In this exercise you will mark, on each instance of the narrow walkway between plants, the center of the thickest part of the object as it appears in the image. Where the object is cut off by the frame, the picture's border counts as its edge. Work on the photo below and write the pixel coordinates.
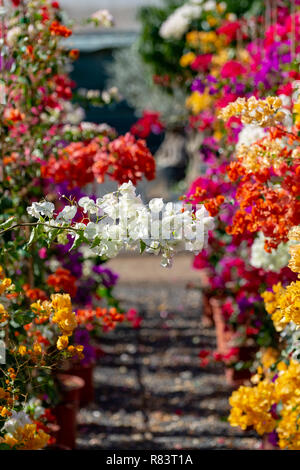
(150, 391)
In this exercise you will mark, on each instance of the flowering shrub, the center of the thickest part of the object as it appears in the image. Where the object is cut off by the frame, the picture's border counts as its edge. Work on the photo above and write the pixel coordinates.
(47, 148)
(240, 216)
(81, 163)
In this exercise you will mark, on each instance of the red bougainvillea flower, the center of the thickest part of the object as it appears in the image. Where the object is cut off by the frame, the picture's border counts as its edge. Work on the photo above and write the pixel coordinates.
(62, 280)
(74, 164)
(232, 69)
(16, 3)
(63, 86)
(250, 331)
(202, 62)
(162, 80)
(286, 89)
(148, 123)
(133, 317)
(229, 29)
(124, 159)
(203, 353)
(227, 310)
(225, 100)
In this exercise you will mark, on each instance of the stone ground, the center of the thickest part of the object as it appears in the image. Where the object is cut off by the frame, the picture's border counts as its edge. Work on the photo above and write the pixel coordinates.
(150, 391)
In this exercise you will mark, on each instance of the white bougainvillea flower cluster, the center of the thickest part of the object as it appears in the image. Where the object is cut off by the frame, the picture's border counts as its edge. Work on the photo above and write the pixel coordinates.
(120, 220)
(103, 17)
(274, 261)
(18, 419)
(177, 24)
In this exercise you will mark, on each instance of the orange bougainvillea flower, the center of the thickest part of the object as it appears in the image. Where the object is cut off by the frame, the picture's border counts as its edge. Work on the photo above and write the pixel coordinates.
(213, 205)
(12, 158)
(107, 318)
(74, 54)
(29, 51)
(58, 29)
(62, 280)
(12, 116)
(123, 159)
(34, 293)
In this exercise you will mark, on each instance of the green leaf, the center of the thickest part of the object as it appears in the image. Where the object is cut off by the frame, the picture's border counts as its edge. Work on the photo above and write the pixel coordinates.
(78, 240)
(96, 242)
(14, 324)
(4, 446)
(142, 246)
(33, 237)
(21, 318)
(8, 223)
(51, 236)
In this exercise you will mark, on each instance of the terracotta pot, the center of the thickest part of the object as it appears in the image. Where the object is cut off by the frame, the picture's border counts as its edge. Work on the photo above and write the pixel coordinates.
(204, 278)
(66, 416)
(54, 430)
(70, 386)
(235, 378)
(222, 333)
(207, 312)
(66, 411)
(58, 447)
(85, 372)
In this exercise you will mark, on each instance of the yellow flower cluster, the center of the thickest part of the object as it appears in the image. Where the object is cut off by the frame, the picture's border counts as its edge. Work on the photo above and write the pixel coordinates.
(187, 59)
(63, 317)
(76, 351)
(4, 285)
(197, 102)
(294, 263)
(294, 250)
(289, 303)
(288, 428)
(283, 304)
(34, 353)
(218, 60)
(4, 316)
(288, 383)
(59, 311)
(4, 412)
(294, 234)
(269, 357)
(271, 299)
(251, 406)
(296, 111)
(27, 437)
(42, 309)
(7, 397)
(209, 41)
(264, 154)
(252, 111)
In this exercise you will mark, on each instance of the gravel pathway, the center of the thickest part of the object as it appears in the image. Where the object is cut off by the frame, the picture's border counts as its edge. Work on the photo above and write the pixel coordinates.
(150, 391)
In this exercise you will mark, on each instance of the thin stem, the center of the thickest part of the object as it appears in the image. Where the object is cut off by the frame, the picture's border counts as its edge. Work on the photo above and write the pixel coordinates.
(37, 224)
